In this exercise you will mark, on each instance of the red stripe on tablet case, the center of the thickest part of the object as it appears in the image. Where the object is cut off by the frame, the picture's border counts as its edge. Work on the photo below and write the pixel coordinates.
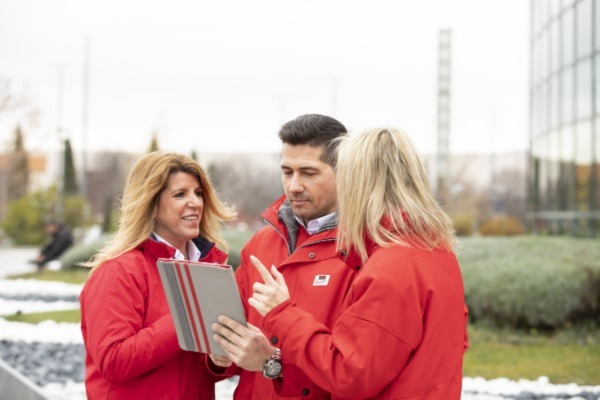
(204, 335)
(187, 305)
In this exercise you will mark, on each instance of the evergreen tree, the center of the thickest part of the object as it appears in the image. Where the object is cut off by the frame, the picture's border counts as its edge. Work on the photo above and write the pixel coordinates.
(69, 176)
(153, 142)
(18, 169)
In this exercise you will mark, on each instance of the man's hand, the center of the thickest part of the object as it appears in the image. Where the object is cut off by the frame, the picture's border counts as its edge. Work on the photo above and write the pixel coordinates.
(272, 293)
(247, 347)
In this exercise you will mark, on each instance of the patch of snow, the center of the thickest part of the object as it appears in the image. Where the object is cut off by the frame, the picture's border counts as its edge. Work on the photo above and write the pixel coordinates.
(45, 331)
(14, 287)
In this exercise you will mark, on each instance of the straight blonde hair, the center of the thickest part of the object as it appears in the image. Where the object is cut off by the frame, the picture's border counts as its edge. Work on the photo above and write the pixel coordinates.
(146, 181)
(383, 194)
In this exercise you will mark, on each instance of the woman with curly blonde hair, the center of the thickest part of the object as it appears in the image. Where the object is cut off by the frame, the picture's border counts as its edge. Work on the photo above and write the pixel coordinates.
(169, 209)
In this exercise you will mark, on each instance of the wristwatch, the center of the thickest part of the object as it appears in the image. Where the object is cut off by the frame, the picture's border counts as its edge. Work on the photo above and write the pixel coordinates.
(272, 368)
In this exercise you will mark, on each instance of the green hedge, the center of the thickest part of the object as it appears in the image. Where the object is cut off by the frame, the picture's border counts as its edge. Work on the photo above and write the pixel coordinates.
(532, 281)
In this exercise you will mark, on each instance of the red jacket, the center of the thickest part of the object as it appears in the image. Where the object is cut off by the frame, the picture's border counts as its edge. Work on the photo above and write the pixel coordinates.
(402, 334)
(131, 345)
(313, 256)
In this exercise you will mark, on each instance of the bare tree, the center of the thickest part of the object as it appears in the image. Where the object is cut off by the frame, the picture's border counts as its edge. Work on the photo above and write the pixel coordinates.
(249, 185)
(16, 109)
(106, 180)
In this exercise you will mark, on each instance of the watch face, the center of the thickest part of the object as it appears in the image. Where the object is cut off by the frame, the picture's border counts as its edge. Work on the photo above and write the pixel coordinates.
(272, 368)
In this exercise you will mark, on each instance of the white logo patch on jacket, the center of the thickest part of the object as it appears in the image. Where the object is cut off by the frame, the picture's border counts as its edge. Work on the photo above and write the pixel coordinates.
(321, 280)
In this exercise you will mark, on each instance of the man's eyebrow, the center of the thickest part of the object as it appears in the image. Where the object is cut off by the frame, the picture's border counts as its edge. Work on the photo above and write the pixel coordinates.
(307, 168)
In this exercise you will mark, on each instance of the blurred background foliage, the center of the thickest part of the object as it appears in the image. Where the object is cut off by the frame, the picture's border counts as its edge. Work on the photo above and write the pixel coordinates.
(25, 217)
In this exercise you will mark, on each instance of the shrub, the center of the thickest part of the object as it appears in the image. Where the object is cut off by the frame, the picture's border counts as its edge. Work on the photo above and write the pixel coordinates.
(463, 224)
(24, 219)
(502, 226)
(534, 282)
(24, 222)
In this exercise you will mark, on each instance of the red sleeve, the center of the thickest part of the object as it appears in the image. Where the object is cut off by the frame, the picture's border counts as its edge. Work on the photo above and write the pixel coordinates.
(113, 311)
(359, 357)
(221, 373)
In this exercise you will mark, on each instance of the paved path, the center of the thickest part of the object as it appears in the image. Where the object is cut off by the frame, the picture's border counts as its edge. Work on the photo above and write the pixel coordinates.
(13, 260)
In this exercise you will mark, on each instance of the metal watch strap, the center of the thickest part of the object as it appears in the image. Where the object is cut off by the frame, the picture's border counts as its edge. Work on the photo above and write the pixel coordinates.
(272, 367)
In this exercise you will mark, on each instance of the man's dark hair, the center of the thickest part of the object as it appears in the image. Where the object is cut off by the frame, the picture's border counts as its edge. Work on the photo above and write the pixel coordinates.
(315, 130)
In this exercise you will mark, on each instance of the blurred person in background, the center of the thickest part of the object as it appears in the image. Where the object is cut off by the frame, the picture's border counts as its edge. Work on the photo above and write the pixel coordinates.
(300, 240)
(169, 210)
(60, 239)
(403, 329)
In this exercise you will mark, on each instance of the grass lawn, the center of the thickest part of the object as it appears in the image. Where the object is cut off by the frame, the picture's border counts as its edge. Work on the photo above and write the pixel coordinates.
(58, 316)
(69, 276)
(78, 275)
(564, 357)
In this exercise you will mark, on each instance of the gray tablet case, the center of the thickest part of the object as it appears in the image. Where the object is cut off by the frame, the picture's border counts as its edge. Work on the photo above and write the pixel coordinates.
(197, 294)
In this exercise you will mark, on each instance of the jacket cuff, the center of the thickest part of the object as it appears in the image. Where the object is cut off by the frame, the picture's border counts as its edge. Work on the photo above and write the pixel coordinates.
(280, 320)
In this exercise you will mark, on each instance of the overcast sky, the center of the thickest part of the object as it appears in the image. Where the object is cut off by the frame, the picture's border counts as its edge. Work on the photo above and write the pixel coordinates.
(222, 76)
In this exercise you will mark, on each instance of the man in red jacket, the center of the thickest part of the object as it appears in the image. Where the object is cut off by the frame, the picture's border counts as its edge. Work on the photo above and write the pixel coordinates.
(299, 240)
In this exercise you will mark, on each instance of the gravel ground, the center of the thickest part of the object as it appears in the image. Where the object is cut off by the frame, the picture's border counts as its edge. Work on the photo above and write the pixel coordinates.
(51, 354)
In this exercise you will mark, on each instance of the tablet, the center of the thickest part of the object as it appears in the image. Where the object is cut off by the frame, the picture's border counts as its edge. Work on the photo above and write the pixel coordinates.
(197, 294)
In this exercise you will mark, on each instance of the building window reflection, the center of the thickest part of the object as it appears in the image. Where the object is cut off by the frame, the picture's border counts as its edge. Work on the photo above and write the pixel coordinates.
(568, 50)
(567, 96)
(584, 28)
(584, 89)
(564, 185)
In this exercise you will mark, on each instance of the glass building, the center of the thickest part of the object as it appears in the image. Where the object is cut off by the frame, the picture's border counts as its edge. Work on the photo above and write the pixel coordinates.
(564, 163)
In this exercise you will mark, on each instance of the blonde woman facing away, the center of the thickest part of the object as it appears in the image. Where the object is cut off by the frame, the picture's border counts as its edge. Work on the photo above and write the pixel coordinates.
(169, 209)
(402, 331)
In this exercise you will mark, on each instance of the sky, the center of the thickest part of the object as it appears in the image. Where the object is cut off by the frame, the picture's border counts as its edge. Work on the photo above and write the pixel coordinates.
(222, 76)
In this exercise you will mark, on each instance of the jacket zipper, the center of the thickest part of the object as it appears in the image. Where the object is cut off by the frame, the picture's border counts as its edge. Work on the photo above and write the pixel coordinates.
(280, 234)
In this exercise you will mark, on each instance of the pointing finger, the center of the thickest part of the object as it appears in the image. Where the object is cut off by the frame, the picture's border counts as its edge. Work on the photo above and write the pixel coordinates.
(262, 270)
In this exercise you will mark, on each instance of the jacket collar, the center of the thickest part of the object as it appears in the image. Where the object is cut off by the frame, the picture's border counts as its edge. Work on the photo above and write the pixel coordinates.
(352, 259)
(280, 216)
(162, 250)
